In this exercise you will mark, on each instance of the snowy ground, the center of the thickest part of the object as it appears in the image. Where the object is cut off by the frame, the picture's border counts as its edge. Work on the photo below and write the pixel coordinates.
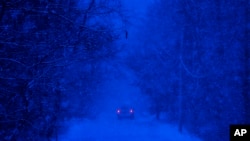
(112, 129)
(108, 128)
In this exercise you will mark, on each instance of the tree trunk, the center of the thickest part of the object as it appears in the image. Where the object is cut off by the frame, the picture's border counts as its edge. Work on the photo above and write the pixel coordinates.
(180, 126)
(246, 75)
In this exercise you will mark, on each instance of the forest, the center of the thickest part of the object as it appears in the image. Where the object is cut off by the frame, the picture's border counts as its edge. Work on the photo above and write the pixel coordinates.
(190, 58)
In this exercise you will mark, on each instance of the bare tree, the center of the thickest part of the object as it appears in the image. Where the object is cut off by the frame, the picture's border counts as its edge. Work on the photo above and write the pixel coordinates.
(40, 42)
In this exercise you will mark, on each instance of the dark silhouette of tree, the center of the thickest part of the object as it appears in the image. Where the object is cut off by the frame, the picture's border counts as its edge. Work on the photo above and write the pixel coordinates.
(202, 49)
(47, 48)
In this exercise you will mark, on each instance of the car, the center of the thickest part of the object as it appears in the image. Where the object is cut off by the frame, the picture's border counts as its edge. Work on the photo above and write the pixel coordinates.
(124, 112)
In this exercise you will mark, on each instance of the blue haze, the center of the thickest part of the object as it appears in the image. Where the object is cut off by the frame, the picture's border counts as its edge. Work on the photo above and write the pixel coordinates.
(67, 66)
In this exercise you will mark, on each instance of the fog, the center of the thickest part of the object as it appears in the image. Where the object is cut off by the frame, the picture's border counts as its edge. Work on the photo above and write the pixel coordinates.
(119, 70)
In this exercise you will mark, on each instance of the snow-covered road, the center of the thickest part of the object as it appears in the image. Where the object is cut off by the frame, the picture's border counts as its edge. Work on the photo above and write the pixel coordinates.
(108, 128)
(123, 130)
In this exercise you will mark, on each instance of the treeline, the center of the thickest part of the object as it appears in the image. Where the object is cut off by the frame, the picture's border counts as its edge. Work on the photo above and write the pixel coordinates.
(193, 63)
(50, 62)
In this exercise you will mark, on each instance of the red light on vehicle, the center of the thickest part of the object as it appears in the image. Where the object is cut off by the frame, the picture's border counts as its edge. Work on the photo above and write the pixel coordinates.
(131, 111)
